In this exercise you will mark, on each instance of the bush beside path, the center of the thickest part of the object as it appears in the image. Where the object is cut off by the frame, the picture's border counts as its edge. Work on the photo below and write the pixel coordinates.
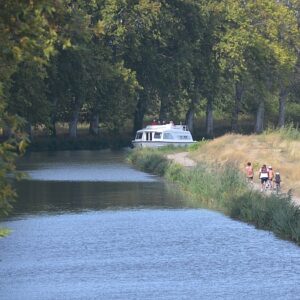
(183, 159)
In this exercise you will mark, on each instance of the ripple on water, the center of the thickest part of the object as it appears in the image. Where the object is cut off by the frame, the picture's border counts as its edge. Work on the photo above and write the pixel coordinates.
(145, 254)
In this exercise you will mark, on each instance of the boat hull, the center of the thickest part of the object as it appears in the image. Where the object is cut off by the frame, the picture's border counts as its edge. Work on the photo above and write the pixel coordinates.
(158, 144)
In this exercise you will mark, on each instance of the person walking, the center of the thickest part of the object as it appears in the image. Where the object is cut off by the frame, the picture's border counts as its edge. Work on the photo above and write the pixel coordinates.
(249, 172)
(271, 177)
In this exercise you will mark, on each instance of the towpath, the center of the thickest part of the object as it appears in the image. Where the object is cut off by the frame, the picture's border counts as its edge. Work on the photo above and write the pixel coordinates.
(183, 159)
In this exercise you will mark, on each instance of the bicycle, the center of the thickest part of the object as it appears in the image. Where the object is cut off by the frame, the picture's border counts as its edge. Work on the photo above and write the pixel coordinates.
(268, 185)
(277, 187)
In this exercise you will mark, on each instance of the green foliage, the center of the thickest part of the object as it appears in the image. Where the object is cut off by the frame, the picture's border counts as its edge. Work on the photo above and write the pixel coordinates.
(276, 213)
(115, 59)
(4, 232)
(175, 173)
(27, 34)
(27, 96)
(197, 145)
(9, 151)
(289, 132)
(293, 113)
(149, 161)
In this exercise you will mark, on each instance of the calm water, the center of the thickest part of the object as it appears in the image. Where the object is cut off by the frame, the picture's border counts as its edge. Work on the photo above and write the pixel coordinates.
(88, 226)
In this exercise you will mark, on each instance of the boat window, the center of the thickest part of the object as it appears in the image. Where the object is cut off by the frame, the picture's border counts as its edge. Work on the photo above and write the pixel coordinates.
(157, 135)
(168, 136)
(139, 135)
(184, 137)
(148, 136)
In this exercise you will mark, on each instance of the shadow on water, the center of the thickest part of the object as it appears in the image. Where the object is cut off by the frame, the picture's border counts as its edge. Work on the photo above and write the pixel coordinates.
(45, 196)
(88, 180)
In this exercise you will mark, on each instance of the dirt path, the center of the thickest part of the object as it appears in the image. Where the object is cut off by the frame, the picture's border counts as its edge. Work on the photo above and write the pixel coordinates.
(183, 159)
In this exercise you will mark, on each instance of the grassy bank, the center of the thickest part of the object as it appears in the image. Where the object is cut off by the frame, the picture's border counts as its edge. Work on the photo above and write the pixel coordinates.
(279, 148)
(223, 188)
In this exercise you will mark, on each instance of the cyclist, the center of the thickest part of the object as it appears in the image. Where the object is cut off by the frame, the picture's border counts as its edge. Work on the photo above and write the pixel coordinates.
(263, 176)
(277, 181)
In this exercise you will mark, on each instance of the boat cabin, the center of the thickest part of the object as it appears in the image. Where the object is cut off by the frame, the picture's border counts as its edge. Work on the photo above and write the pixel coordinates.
(161, 135)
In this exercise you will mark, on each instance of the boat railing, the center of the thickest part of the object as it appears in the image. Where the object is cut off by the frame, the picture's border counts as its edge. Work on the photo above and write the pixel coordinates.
(168, 126)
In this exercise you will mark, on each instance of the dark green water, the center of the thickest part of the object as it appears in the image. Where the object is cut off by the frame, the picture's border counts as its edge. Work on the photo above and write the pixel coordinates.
(88, 226)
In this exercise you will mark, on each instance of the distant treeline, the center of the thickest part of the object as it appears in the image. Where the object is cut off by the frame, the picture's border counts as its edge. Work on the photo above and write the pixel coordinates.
(107, 62)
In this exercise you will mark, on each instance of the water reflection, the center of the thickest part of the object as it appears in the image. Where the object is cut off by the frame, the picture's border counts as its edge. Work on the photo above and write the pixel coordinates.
(88, 180)
(80, 166)
(36, 196)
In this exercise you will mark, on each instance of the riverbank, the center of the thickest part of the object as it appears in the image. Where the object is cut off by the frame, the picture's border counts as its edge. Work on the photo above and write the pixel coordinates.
(278, 148)
(222, 187)
(182, 158)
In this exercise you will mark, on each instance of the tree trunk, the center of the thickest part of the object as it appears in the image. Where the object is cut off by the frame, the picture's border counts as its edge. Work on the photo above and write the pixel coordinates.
(282, 102)
(190, 115)
(74, 121)
(209, 119)
(139, 114)
(237, 106)
(53, 126)
(53, 119)
(94, 124)
(28, 129)
(163, 109)
(189, 119)
(7, 132)
(260, 115)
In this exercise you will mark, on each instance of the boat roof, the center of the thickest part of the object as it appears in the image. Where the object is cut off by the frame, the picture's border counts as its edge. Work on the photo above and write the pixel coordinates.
(166, 127)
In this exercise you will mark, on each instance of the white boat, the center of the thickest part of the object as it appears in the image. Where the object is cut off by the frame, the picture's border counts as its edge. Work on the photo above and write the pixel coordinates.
(154, 136)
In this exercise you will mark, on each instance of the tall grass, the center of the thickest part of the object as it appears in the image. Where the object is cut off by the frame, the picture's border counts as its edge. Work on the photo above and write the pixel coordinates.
(223, 187)
(275, 213)
(149, 161)
(288, 132)
(212, 186)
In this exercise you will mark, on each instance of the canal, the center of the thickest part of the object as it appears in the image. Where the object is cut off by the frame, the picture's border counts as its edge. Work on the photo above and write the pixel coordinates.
(89, 226)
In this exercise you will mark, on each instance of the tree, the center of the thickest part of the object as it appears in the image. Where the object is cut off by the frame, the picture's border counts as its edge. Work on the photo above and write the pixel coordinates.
(255, 41)
(26, 34)
(130, 29)
(27, 96)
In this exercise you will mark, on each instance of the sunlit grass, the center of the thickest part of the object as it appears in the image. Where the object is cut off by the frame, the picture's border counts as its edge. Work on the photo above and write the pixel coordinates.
(279, 148)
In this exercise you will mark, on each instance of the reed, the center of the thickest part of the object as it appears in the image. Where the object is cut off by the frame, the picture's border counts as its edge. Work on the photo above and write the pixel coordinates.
(289, 132)
(149, 161)
(275, 213)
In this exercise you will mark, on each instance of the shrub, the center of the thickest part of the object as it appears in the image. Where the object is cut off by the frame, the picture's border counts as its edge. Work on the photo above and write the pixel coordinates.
(149, 161)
